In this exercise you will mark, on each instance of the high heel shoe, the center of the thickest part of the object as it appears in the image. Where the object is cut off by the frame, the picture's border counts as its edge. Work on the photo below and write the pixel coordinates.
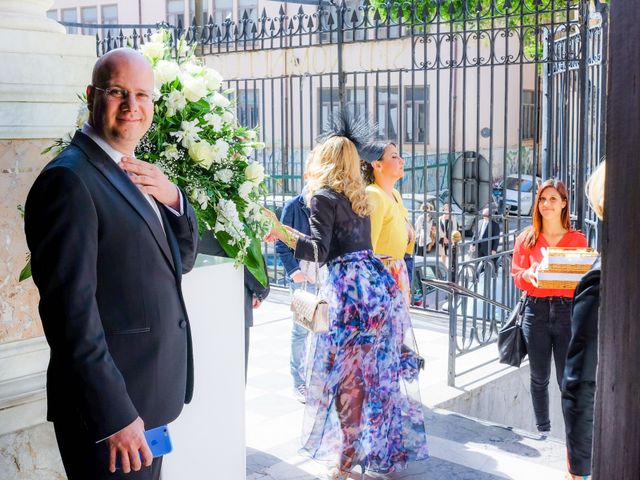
(336, 474)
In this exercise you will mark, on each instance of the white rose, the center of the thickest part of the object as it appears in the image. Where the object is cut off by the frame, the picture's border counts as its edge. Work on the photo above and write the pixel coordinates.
(191, 68)
(152, 50)
(228, 117)
(254, 173)
(165, 72)
(214, 120)
(245, 189)
(251, 134)
(201, 153)
(213, 78)
(219, 100)
(194, 88)
(221, 149)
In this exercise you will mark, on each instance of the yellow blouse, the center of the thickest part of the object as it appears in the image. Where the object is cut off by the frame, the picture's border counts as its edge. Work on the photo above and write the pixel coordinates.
(389, 235)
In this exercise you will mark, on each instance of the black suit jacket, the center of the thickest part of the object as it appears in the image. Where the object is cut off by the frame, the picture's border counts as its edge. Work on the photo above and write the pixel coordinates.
(209, 245)
(110, 293)
(485, 244)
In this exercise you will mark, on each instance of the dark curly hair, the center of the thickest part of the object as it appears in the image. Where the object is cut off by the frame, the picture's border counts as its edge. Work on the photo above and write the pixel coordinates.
(371, 153)
(367, 172)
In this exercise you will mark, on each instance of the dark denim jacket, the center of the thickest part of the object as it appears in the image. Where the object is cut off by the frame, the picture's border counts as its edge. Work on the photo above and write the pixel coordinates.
(295, 214)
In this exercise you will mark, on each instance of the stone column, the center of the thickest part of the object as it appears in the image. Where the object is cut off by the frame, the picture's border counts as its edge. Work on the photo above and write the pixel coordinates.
(42, 70)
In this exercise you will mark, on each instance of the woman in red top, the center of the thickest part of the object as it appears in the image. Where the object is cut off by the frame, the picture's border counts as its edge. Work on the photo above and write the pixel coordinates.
(547, 314)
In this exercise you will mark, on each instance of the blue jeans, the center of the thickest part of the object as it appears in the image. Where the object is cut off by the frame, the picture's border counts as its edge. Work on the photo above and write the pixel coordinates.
(547, 330)
(298, 344)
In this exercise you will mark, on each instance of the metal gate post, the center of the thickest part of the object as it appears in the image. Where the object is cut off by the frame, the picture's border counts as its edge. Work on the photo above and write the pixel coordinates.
(583, 150)
(546, 135)
(453, 308)
(341, 9)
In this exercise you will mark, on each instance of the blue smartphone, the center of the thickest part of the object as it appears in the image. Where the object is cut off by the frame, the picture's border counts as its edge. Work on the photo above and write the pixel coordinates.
(158, 440)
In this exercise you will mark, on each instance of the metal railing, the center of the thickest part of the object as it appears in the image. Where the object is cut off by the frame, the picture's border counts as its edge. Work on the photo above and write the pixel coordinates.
(479, 296)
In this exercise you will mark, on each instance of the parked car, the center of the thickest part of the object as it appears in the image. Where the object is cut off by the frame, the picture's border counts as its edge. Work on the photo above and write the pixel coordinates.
(520, 186)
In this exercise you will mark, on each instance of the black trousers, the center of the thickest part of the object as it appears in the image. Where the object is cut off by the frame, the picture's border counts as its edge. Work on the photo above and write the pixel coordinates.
(83, 459)
(547, 330)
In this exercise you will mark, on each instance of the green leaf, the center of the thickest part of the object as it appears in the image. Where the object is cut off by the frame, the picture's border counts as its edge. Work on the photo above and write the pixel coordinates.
(224, 239)
(26, 271)
(255, 262)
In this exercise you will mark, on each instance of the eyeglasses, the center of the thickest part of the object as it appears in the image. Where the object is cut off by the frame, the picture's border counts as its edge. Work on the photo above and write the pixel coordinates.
(121, 94)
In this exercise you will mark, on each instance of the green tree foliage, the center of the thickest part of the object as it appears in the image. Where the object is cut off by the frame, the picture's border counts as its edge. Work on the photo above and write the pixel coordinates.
(524, 15)
(428, 11)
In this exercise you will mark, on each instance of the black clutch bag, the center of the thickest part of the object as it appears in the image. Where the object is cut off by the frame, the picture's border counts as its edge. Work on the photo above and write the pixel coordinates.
(410, 363)
(512, 347)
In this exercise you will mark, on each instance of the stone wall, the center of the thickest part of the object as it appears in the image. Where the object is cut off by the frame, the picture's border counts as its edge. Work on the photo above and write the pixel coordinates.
(30, 454)
(20, 162)
(507, 400)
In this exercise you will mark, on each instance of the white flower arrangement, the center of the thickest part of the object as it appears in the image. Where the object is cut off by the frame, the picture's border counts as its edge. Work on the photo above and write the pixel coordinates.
(196, 140)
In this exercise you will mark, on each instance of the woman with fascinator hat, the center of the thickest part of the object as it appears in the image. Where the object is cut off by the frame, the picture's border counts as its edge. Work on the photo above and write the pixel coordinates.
(392, 236)
(363, 406)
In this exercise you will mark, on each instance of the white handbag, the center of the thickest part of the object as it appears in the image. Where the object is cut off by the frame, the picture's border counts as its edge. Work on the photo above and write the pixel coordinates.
(310, 310)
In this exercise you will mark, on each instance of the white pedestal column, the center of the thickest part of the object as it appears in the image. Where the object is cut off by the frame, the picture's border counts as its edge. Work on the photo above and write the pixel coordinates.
(209, 436)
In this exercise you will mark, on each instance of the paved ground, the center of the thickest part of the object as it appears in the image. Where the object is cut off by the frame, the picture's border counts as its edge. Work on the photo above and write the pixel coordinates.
(461, 448)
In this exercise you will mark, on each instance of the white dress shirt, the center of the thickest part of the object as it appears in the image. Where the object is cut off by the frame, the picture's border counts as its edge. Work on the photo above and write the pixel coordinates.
(116, 156)
(483, 227)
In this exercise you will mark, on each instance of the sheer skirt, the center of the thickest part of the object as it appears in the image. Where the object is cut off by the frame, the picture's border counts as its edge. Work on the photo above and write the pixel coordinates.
(363, 402)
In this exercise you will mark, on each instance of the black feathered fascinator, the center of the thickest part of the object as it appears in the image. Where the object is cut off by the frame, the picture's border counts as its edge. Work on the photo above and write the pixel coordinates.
(344, 123)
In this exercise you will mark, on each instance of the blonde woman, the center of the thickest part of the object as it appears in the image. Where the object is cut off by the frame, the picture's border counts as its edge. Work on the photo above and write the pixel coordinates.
(579, 380)
(359, 410)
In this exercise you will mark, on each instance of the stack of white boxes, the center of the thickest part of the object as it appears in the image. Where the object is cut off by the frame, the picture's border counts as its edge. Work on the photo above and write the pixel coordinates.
(563, 267)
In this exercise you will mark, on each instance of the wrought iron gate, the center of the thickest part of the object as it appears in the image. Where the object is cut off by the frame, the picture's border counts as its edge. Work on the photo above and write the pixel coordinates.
(484, 98)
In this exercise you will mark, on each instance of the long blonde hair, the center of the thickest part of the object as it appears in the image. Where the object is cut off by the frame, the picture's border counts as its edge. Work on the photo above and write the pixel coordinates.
(335, 164)
(595, 189)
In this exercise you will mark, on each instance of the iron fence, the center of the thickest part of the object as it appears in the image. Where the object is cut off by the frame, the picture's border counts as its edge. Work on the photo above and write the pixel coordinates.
(484, 99)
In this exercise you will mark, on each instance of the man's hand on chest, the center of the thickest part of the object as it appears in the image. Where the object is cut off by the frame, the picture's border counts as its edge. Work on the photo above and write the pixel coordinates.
(152, 181)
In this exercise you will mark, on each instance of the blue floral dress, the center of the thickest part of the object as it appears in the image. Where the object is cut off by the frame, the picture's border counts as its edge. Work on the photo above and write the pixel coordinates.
(363, 404)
